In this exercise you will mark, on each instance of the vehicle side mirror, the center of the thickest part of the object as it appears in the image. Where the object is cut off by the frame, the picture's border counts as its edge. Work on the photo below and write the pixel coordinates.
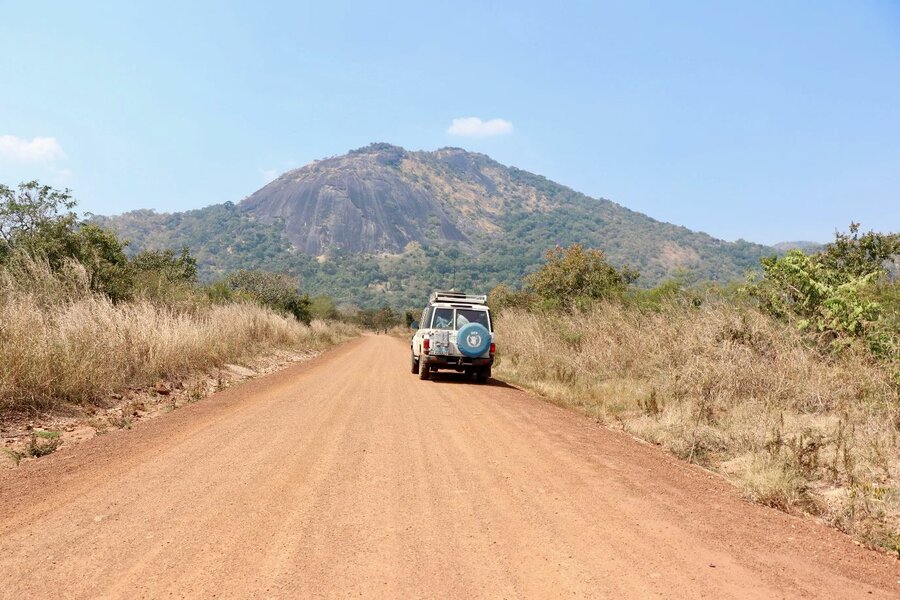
(414, 325)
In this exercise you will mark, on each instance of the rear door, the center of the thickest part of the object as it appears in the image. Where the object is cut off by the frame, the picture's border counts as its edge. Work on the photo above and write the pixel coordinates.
(442, 332)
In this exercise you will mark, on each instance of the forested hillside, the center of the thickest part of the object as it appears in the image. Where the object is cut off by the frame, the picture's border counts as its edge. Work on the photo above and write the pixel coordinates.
(384, 225)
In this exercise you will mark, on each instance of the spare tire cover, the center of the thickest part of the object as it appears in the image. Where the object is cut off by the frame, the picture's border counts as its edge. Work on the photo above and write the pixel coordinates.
(473, 339)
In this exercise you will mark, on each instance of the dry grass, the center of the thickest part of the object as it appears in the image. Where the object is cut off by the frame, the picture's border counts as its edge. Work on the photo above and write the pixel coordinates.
(60, 343)
(727, 387)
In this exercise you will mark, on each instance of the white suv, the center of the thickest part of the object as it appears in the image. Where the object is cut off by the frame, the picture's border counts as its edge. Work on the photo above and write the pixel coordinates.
(455, 332)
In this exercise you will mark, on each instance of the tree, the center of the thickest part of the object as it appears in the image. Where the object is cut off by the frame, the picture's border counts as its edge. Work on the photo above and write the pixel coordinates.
(164, 263)
(275, 290)
(366, 318)
(835, 294)
(503, 296)
(574, 274)
(103, 254)
(39, 221)
(385, 318)
(823, 300)
(323, 307)
(855, 255)
(29, 209)
(164, 276)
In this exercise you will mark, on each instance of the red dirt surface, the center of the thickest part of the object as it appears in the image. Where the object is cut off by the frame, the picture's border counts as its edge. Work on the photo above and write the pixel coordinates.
(348, 476)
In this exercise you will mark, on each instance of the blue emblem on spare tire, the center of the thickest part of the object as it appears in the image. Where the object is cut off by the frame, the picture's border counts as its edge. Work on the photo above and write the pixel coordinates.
(473, 339)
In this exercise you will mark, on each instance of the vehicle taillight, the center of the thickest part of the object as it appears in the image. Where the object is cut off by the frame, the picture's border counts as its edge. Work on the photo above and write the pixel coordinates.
(493, 347)
(426, 345)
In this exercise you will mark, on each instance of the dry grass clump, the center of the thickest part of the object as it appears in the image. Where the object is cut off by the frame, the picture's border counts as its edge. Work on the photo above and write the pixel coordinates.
(728, 387)
(62, 343)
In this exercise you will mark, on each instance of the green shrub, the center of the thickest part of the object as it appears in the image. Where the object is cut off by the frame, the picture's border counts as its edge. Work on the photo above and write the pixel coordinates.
(164, 277)
(575, 275)
(166, 264)
(840, 295)
(323, 307)
(275, 290)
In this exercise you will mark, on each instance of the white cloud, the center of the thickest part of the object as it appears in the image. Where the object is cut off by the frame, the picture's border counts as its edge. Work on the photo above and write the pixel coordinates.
(39, 149)
(475, 127)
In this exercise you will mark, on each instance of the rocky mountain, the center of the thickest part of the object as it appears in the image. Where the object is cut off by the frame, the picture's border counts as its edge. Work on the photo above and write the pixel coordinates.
(383, 224)
(367, 201)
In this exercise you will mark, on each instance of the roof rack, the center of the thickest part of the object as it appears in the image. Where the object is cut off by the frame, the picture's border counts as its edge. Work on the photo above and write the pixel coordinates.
(452, 296)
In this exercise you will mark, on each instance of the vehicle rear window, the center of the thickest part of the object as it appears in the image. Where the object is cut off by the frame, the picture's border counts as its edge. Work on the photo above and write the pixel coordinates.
(465, 316)
(443, 318)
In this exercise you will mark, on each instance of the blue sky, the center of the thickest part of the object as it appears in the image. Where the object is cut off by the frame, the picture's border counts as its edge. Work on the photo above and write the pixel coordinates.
(766, 121)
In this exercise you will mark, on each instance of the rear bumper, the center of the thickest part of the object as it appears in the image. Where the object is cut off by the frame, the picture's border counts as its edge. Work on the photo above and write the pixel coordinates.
(456, 362)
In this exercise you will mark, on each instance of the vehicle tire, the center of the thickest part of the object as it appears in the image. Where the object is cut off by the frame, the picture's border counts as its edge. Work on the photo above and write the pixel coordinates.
(482, 375)
(423, 368)
(415, 365)
(473, 339)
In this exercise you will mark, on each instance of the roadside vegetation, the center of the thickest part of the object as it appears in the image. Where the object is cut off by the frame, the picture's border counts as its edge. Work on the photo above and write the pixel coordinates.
(789, 384)
(79, 319)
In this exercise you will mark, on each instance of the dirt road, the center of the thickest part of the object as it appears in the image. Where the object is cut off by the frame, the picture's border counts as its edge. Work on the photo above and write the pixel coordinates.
(347, 476)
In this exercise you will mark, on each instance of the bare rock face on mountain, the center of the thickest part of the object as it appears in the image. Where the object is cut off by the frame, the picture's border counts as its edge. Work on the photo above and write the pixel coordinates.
(359, 202)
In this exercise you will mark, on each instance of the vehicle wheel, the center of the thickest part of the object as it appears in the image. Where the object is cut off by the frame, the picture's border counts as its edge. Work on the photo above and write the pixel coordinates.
(423, 368)
(415, 365)
(473, 339)
(483, 375)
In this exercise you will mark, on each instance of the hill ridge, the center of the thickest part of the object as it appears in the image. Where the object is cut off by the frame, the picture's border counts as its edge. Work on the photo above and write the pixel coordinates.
(382, 223)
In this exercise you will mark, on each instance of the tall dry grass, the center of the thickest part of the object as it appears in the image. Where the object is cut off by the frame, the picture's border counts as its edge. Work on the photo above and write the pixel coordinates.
(727, 387)
(61, 343)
